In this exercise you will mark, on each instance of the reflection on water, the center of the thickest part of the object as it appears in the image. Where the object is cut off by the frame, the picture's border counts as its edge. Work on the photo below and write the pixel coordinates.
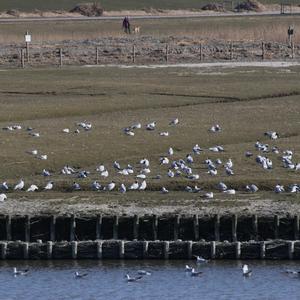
(105, 280)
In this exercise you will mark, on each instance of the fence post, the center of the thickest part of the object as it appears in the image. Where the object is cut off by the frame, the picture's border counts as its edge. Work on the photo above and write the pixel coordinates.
(200, 52)
(262, 50)
(133, 53)
(60, 57)
(22, 59)
(167, 53)
(231, 50)
(292, 49)
(97, 56)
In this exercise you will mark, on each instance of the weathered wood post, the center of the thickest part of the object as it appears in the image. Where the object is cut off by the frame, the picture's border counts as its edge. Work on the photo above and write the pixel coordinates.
(8, 228)
(116, 227)
(213, 250)
(201, 52)
(238, 250)
(121, 249)
(176, 227)
(189, 249)
(217, 227)
(145, 249)
(262, 50)
(22, 59)
(133, 53)
(276, 226)
(99, 249)
(98, 227)
(74, 246)
(52, 228)
(26, 250)
(72, 228)
(136, 223)
(97, 56)
(296, 227)
(231, 51)
(3, 250)
(49, 249)
(291, 247)
(262, 250)
(154, 226)
(255, 227)
(27, 229)
(234, 227)
(292, 49)
(60, 57)
(196, 227)
(166, 249)
(167, 53)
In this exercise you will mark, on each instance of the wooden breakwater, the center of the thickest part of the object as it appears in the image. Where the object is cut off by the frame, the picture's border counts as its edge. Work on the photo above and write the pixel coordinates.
(276, 249)
(230, 228)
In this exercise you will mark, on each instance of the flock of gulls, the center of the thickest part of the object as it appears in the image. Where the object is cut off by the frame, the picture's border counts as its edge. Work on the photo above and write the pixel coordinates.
(138, 175)
(192, 271)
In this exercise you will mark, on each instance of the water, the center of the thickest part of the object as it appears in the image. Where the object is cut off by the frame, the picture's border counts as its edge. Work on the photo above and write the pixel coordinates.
(105, 280)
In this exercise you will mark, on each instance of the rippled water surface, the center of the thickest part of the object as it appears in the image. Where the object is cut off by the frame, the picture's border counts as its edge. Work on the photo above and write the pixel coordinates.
(105, 280)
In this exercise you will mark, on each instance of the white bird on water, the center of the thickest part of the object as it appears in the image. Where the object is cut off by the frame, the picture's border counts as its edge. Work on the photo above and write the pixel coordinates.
(200, 259)
(78, 275)
(19, 272)
(246, 271)
(20, 185)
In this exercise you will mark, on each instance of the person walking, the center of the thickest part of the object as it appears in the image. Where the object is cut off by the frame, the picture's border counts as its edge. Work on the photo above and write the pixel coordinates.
(126, 25)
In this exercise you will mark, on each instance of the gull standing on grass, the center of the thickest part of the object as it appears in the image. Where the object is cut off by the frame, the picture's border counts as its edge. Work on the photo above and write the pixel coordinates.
(20, 185)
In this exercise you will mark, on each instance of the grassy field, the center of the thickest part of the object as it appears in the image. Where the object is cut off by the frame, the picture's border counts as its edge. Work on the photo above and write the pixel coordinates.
(268, 28)
(246, 102)
(30, 5)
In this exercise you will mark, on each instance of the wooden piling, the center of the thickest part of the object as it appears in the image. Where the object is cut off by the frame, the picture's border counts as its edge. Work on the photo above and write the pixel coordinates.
(166, 249)
(27, 229)
(145, 249)
(3, 250)
(72, 228)
(74, 245)
(97, 56)
(292, 49)
(262, 250)
(217, 227)
(291, 247)
(98, 227)
(213, 250)
(121, 249)
(26, 250)
(234, 228)
(99, 249)
(176, 227)
(116, 228)
(133, 54)
(196, 227)
(8, 227)
(136, 223)
(190, 249)
(238, 250)
(49, 249)
(296, 227)
(276, 226)
(52, 228)
(155, 226)
(255, 227)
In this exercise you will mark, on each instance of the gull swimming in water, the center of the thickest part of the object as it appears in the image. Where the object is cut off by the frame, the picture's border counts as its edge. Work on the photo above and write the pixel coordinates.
(19, 272)
(195, 273)
(78, 275)
(188, 268)
(143, 273)
(133, 279)
(200, 259)
(246, 271)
